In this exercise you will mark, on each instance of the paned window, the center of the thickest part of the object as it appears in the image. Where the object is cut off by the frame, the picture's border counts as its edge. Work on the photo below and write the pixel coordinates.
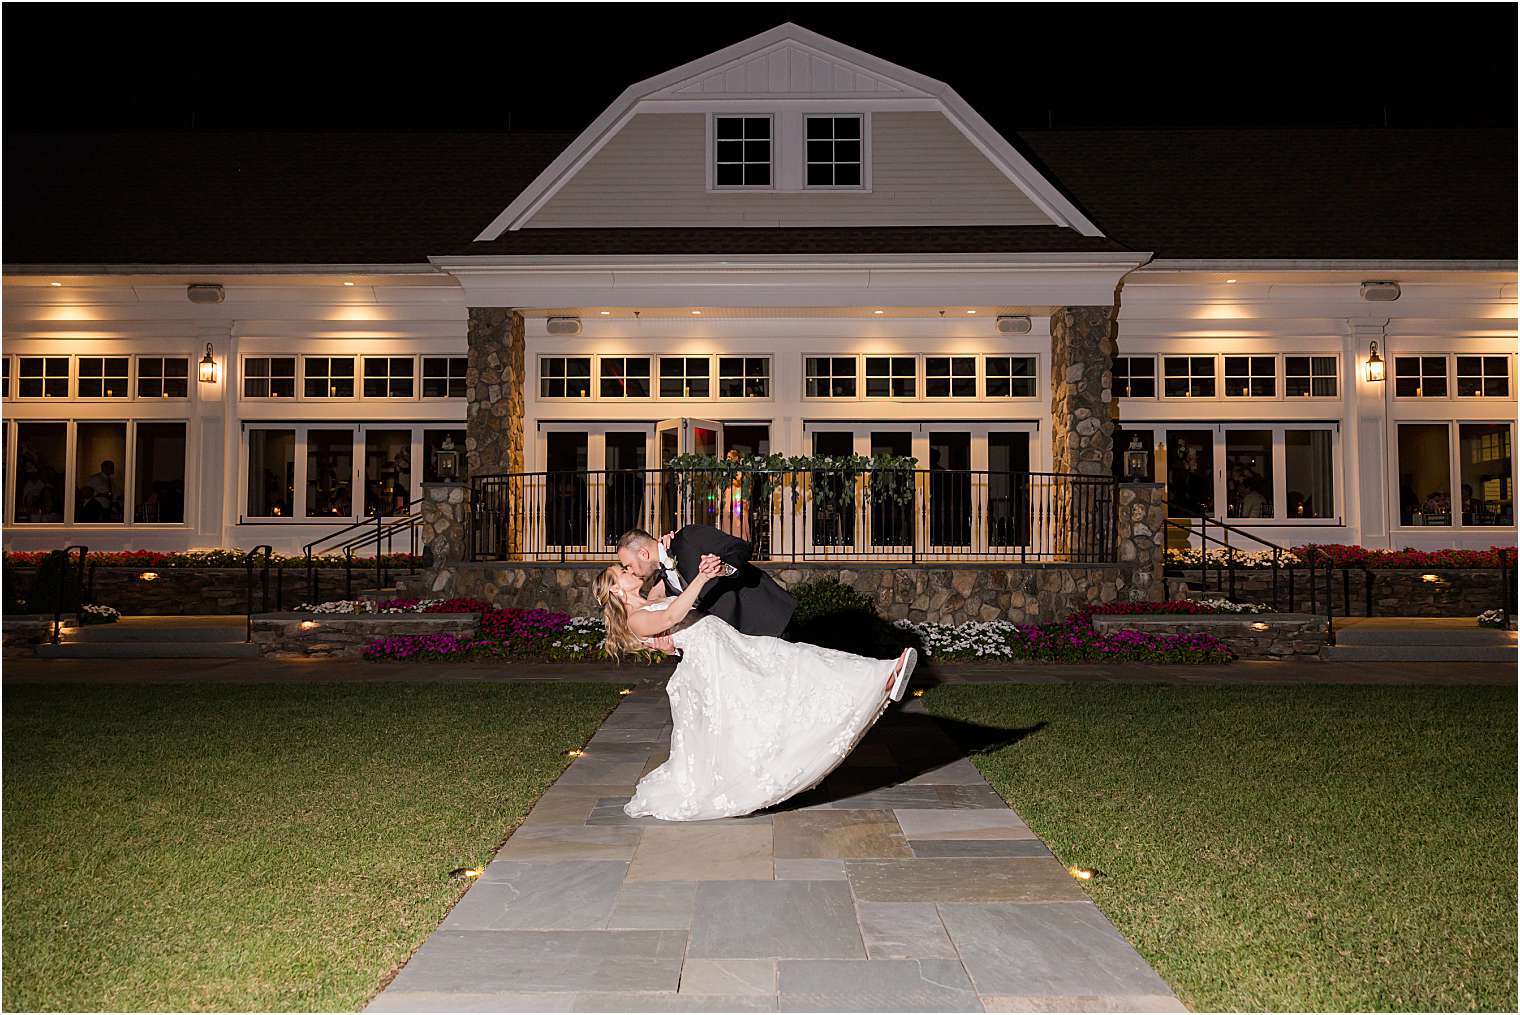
(685, 377)
(1419, 377)
(1188, 376)
(949, 376)
(388, 376)
(329, 377)
(564, 377)
(833, 151)
(829, 376)
(1310, 377)
(163, 377)
(444, 376)
(625, 376)
(742, 151)
(269, 377)
(1250, 376)
(744, 377)
(42, 377)
(1011, 377)
(1135, 376)
(1482, 376)
(104, 376)
(891, 376)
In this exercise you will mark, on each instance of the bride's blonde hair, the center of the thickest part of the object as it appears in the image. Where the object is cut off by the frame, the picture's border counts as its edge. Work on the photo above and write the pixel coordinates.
(620, 640)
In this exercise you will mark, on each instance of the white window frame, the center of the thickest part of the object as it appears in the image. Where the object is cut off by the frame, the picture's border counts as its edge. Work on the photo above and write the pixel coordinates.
(657, 368)
(127, 470)
(1453, 472)
(652, 377)
(295, 377)
(355, 378)
(987, 375)
(1421, 357)
(390, 378)
(1250, 376)
(79, 378)
(1335, 375)
(1482, 376)
(68, 379)
(744, 377)
(1191, 377)
(423, 375)
(952, 377)
(712, 155)
(591, 378)
(137, 377)
(864, 119)
(1155, 376)
(831, 356)
(1219, 482)
(5, 378)
(891, 375)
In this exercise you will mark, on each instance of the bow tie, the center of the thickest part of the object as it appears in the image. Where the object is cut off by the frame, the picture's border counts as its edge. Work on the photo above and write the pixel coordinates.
(656, 578)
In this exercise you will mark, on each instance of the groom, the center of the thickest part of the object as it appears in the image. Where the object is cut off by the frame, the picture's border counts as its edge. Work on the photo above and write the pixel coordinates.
(748, 599)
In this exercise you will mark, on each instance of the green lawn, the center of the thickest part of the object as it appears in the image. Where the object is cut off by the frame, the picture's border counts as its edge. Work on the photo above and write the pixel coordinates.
(256, 846)
(1316, 848)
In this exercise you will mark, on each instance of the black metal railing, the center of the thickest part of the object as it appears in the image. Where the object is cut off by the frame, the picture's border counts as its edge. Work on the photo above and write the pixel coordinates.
(250, 561)
(63, 578)
(791, 514)
(382, 532)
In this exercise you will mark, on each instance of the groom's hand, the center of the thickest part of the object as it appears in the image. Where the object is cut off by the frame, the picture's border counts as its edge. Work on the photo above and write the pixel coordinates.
(665, 540)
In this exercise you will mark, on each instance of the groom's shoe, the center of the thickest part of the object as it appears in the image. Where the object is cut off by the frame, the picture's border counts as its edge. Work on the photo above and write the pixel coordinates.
(900, 685)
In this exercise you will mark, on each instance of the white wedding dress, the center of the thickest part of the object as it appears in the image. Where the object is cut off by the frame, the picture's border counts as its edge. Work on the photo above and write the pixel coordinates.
(755, 720)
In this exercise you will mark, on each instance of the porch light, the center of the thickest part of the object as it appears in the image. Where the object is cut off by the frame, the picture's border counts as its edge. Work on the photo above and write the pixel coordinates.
(1137, 461)
(1374, 363)
(208, 367)
(446, 460)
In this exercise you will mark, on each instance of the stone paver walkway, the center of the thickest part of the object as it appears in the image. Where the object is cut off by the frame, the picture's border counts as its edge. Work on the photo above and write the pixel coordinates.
(901, 883)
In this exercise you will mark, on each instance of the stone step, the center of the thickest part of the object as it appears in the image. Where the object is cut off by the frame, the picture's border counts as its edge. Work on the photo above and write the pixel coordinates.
(1421, 653)
(1468, 634)
(148, 650)
(160, 630)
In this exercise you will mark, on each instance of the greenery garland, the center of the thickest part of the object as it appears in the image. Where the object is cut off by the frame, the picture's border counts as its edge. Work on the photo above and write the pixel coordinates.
(833, 477)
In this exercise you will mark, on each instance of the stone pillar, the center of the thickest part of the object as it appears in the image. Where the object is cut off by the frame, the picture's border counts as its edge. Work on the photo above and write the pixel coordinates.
(494, 388)
(444, 531)
(1081, 374)
(1142, 516)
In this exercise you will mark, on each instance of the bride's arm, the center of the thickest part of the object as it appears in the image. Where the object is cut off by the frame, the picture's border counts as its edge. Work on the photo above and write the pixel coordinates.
(647, 623)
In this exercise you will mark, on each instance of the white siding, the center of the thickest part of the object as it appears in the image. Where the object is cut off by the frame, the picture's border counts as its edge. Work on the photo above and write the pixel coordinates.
(654, 173)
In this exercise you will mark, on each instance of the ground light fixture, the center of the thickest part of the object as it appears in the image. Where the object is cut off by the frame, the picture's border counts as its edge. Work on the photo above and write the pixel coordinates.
(1259, 626)
(309, 625)
(1084, 873)
(626, 691)
(459, 873)
(208, 367)
(1374, 363)
(574, 752)
(148, 576)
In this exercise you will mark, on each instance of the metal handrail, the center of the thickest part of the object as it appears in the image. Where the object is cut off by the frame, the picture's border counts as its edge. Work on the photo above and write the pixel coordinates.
(63, 572)
(357, 541)
(248, 559)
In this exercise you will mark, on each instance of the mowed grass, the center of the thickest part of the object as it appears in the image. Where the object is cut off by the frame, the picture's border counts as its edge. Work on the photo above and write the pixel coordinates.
(1305, 848)
(257, 846)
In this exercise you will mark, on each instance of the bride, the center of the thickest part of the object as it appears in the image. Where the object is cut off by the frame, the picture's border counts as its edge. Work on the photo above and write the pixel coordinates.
(756, 719)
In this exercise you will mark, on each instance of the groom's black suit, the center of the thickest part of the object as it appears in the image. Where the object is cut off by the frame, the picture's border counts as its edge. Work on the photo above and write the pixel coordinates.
(749, 600)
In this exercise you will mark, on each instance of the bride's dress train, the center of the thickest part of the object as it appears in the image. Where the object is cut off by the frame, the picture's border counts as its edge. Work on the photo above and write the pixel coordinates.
(755, 721)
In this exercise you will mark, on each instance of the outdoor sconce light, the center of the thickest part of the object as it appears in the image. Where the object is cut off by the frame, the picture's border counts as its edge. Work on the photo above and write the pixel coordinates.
(309, 625)
(1137, 461)
(1431, 579)
(446, 460)
(1259, 626)
(1374, 363)
(208, 367)
(148, 576)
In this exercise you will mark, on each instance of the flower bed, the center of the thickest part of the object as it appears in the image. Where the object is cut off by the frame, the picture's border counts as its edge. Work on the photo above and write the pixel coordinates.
(1345, 555)
(1075, 641)
(392, 606)
(1178, 606)
(503, 634)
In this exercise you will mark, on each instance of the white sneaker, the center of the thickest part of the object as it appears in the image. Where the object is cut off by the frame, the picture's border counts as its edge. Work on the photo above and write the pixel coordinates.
(909, 660)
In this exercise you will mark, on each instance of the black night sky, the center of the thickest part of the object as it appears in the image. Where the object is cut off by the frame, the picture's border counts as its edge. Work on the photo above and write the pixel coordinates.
(539, 66)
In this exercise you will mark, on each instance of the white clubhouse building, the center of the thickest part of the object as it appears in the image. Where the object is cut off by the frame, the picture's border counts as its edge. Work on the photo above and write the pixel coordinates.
(788, 246)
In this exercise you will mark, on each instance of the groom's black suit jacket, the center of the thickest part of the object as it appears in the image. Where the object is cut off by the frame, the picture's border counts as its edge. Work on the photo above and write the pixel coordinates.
(749, 600)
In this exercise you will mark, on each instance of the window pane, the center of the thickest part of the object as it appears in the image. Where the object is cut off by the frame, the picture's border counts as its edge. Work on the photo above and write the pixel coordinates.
(1190, 473)
(271, 473)
(1310, 480)
(1486, 455)
(1424, 474)
(100, 457)
(387, 471)
(1248, 473)
(159, 489)
(329, 473)
(41, 454)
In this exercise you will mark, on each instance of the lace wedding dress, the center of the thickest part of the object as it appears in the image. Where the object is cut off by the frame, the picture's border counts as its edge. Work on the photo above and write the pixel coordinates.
(755, 720)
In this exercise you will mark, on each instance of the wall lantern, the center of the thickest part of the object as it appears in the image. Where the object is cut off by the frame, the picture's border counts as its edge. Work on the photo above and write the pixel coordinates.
(1137, 461)
(208, 367)
(1374, 363)
(446, 460)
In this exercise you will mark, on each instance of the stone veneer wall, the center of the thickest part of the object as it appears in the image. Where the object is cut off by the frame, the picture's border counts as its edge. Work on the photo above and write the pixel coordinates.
(202, 591)
(494, 388)
(443, 532)
(1395, 593)
(342, 636)
(1141, 519)
(1284, 635)
(1081, 396)
(944, 593)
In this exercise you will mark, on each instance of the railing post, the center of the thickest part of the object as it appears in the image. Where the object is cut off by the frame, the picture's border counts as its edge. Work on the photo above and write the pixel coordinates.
(1230, 558)
(1367, 578)
(1292, 597)
(379, 578)
(348, 572)
(1276, 564)
(1346, 589)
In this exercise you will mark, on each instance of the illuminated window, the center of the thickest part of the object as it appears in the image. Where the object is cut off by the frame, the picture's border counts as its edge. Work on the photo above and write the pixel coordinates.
(685, 377)
(329, 377)
(1250, 376)
(1482, 376)
(269, 377)
(891, 376)
(624, 377)
(42, 377)
(1419, 376)
(564, 377)
(1188, 376)
(163, 377)
(388, 376)
(1135, 376)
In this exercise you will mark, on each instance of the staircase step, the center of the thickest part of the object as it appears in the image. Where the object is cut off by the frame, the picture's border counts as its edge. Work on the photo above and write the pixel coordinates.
(148, 650)
(1421, 653)
(158, 630)
(1469, 635)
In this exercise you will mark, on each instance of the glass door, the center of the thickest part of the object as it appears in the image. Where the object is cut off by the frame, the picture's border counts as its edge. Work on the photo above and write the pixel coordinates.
(688, 496)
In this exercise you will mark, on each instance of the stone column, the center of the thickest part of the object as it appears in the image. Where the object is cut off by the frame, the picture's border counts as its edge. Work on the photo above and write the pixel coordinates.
(1142, 515)
(444, 531)
(1081, 396)
(494, 388)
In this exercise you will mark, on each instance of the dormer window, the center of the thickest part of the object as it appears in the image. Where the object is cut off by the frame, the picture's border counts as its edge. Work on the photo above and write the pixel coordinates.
(833, 151)
(742, 151)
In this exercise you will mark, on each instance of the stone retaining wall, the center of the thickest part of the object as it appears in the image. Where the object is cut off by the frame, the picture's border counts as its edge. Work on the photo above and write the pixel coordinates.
(204, 591)
(1395, 592)
(345, 635)
(940, 593)
(22, 635)
(1249, 635)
